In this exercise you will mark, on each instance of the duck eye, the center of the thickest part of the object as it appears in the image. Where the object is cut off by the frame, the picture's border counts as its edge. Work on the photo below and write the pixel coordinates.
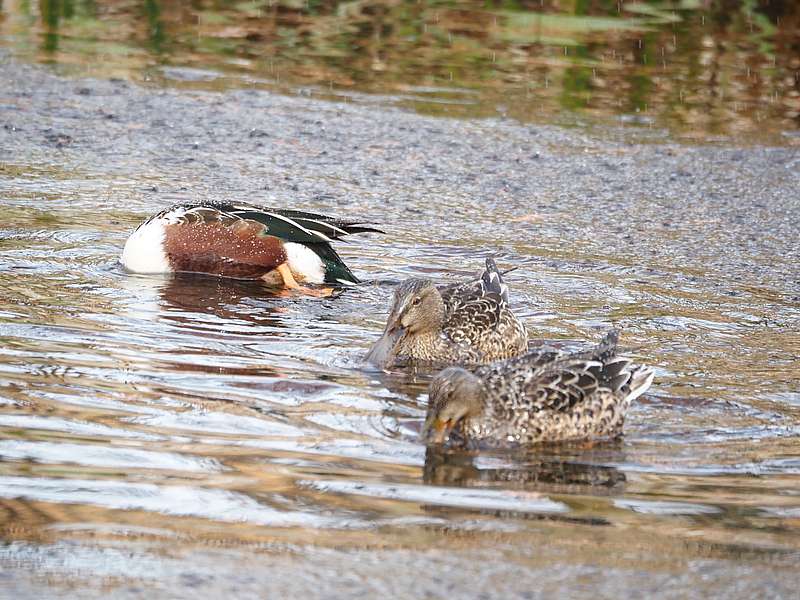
(416, 301)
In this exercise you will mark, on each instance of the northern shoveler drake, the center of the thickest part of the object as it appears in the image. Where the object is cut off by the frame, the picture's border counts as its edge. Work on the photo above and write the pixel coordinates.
(542, 396)
(465, 323)
(243, 241)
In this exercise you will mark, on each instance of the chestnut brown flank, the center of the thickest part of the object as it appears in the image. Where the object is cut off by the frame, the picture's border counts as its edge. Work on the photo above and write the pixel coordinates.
(238, 250)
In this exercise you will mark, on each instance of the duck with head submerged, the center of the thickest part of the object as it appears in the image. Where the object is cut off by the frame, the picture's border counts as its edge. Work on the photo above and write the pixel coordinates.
(243, 241)
(463, 323)
(542, 396)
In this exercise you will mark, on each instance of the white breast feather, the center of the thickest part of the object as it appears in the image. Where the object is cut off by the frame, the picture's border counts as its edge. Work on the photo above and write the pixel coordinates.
(304, 263)
(144, 250)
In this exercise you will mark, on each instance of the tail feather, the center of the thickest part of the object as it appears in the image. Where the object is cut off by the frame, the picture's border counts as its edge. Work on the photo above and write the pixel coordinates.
(607, 348)
(350, 227)
(640, 379)
(618, 373)
(493, 280)
(615, 373)
(331, 227)
(604, 352)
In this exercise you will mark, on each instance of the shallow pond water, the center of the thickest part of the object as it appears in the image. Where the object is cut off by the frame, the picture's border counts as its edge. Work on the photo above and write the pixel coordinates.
(191, 435)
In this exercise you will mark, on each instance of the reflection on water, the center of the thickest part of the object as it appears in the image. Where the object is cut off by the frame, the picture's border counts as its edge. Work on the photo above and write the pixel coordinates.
(556, 474)
(701, 68)
(228, 301)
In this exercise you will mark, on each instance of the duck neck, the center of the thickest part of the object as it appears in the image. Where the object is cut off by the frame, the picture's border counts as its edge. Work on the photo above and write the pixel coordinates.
(426, 345)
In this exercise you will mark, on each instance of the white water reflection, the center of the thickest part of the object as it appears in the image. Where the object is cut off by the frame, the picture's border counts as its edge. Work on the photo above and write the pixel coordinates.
(444, 496)
(74, 428)
(94, 455)
(176, 500)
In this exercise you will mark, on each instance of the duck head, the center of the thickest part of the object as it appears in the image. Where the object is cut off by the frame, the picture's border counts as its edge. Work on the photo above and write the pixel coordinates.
(417, 308)
(454, 394)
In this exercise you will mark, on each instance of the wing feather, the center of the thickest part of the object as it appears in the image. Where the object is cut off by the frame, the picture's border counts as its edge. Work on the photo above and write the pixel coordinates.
(476, 307)
(289, 225)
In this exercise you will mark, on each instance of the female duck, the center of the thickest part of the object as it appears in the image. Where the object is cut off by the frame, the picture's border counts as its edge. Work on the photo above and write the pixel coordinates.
(466, 323)
(543, 396)
(242, 241)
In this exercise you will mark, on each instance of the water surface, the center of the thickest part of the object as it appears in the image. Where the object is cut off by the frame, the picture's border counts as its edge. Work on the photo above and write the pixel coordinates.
(176, 435)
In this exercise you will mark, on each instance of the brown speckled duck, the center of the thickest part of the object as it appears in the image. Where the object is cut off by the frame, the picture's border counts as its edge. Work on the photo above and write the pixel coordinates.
(464, 323)
(542, 396)
(243, 241)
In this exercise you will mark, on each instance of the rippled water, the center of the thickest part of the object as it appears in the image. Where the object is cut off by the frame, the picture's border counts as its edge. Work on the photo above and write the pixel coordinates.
(188, 433)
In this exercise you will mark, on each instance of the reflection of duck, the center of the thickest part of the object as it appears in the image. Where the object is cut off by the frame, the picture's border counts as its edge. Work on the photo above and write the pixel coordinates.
(542, 396)
(211, 316)
(552, 475)
(223, 298)
(459, 323)
(242, 241)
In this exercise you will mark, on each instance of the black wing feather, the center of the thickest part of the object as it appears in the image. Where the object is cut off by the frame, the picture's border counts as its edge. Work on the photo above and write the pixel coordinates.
(289, 225)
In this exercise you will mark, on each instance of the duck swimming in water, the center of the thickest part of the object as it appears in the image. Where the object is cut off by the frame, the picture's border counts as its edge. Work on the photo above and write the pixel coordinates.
(542, 396)
(239, 240)
(462, 323)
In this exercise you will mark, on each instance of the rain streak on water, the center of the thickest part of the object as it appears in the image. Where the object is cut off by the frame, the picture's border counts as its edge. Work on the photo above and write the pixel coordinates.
(186, 433)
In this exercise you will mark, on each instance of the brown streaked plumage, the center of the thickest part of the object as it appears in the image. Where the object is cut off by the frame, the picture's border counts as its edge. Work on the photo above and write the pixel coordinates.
(464, 323)
(542, 396)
